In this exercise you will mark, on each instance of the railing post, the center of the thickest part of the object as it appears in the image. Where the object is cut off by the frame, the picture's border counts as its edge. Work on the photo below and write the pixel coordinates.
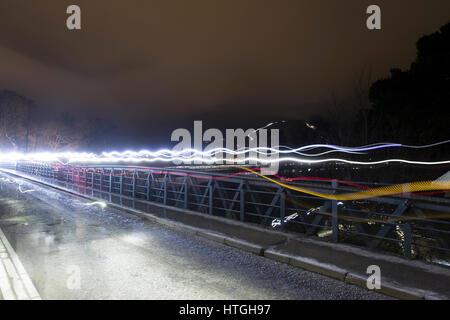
(211, 191)
(148, 186)
(121, 182)
(101, 180)
(110, 180)
(334, 215)
(135, 175)
(165, 190)
(186, 194)
(92, 183)
(282, 204)
(242, 204)
(406, 228)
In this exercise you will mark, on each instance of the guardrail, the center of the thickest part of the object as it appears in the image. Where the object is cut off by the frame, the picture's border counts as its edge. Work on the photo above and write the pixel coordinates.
(417, 226)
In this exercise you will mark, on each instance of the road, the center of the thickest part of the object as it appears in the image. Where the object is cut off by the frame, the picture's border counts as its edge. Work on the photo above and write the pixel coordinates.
(73, 249)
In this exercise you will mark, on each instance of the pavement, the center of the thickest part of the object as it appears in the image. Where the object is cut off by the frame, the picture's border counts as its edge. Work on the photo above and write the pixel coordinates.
(14, 280)
(72, 247)
(399, 277)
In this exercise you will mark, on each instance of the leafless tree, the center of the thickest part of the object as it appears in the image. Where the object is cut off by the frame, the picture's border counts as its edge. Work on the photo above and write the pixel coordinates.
(14, 120)
(361, 95)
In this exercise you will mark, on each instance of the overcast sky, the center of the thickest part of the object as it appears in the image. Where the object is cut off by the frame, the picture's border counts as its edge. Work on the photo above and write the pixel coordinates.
(156, 60)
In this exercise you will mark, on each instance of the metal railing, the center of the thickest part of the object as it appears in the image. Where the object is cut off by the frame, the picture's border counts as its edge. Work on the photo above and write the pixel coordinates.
(417, 226)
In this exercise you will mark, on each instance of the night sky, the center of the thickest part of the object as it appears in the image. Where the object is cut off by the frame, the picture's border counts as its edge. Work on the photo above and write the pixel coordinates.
(158, 65)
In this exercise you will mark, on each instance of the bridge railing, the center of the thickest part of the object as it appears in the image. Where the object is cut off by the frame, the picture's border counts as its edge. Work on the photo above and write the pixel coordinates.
(417, 226)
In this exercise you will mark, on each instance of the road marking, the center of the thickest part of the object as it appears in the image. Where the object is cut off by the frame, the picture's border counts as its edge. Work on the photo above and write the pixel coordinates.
(5, 286)
(14, 280)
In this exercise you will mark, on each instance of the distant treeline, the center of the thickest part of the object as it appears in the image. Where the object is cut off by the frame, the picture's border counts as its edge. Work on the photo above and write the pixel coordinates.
(408, 107)
(26, 127)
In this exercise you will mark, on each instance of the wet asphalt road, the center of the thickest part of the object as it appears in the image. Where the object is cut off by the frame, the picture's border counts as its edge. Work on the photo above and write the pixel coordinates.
(72, 249)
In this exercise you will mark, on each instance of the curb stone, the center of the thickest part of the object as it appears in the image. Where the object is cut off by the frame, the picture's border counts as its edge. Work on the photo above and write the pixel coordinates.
(272, 254)
(212, 236)
(386, 288)
(244, 245)
(317, 267)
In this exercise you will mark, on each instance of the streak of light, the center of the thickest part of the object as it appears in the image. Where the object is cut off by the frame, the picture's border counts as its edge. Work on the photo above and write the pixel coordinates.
(207, 156)
(99, 203)
(256, 160)
(264, 150)
(283, 221)
(371, 193)
(25, 191)
(19, 187)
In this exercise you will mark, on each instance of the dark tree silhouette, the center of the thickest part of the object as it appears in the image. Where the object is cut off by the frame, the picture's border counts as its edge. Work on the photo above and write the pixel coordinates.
(26, 127)
(15, 120)
(413, 106)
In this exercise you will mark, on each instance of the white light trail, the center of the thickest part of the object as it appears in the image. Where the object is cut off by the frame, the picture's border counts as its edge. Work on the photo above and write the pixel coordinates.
(18, 183)
(99, 203)
(212, 160)
(208, 157)
(24, 191)
(280, 222)
(254, 159)
(192, 152)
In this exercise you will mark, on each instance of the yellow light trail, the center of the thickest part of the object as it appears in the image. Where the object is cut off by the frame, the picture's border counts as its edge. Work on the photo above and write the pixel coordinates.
(376, 192)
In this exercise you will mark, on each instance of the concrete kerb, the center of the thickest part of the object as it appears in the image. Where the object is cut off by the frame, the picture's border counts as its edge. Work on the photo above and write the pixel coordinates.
(296, 261)
(387, 288)
(212, 236)
(244, 245)
(309, 264)
(332, 271)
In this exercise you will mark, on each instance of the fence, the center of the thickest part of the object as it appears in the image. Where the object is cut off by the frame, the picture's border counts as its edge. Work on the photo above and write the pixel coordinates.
(417, 226)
